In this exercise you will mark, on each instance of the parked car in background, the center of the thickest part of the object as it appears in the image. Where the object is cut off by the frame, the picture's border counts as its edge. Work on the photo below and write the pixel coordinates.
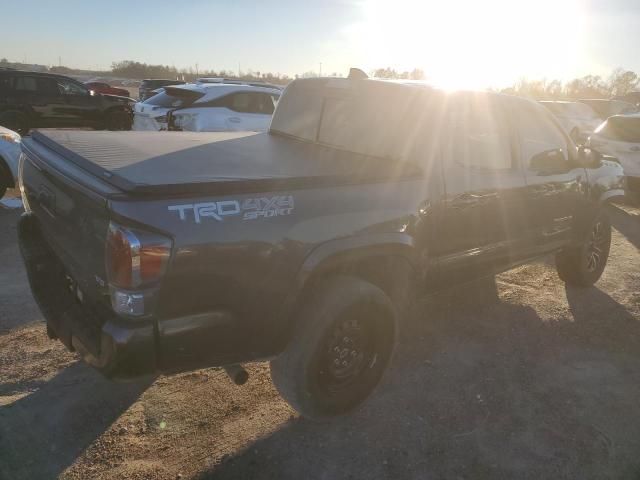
(208, 107)
(33, 100)
(233, 81)
(619, 136)
(606, 108)
(9, 155)
(631, 97)
(578, 119)
(106, 89)
(149, 85)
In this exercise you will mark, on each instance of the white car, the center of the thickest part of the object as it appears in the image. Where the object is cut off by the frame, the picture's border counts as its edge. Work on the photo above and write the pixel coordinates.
(619, 136)
(9, 155)
(578, 119)
(208, 107)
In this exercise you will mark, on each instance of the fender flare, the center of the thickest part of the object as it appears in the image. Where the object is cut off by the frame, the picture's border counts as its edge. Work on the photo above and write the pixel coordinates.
(330, 255)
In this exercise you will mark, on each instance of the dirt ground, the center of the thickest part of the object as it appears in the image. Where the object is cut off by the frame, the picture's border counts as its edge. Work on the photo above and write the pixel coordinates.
(513, 377)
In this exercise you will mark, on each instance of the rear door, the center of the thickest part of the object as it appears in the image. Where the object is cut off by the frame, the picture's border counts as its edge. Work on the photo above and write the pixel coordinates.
(249, 111)
(481, 225)
(40, 94)
(555, 188)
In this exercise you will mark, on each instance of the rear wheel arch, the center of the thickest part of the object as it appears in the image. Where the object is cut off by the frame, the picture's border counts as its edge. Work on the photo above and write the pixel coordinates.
(388, 266)
(382, 261)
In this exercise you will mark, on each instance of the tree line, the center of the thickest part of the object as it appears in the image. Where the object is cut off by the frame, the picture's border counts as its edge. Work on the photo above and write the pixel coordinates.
(619, 83)
(138, 70)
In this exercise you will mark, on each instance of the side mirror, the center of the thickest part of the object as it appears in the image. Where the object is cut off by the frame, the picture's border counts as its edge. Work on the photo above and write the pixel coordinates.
(550, 161)
(587, 157)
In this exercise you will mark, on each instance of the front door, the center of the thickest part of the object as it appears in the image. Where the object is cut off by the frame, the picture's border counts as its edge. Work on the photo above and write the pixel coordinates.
(555, 183)
(481, 223)
(81, 107)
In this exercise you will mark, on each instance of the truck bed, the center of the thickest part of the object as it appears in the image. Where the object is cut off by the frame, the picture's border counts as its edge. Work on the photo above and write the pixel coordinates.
(188, 162)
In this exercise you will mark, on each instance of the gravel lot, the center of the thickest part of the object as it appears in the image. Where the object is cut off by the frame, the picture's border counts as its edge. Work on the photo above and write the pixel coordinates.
(512, 377)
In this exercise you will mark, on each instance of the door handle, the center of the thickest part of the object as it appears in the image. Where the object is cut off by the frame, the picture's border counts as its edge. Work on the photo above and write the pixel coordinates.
(235, 119)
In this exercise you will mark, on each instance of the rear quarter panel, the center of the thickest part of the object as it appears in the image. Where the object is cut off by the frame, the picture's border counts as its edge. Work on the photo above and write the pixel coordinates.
(251, 266)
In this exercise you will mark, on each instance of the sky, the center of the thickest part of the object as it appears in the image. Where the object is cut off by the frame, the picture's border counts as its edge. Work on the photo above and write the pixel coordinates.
(478, 43)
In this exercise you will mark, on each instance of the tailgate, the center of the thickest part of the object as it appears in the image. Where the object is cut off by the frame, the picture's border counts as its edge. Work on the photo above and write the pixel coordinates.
(71, 208)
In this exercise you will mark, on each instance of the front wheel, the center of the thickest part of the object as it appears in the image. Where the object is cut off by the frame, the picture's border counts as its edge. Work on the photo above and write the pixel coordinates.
(345, 336)
(583, 265)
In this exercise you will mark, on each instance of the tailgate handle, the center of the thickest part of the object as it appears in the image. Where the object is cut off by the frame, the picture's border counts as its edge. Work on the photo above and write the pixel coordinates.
(235, 119)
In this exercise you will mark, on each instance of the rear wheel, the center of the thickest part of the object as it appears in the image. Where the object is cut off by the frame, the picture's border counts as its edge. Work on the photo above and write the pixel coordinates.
(16, 121)
(583, 265)
(343, 343)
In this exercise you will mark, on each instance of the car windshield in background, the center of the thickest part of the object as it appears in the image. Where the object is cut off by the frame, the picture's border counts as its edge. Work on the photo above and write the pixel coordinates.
(622, 129)
(173, 98)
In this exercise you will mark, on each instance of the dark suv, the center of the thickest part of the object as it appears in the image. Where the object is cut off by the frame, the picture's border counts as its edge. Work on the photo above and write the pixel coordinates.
(33, 100)
(149, 85)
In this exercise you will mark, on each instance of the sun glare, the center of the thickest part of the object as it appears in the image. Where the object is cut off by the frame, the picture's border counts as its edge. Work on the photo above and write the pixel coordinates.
(473, 44)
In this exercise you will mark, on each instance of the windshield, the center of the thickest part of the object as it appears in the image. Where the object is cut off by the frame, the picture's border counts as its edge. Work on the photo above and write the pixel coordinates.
(621, 129)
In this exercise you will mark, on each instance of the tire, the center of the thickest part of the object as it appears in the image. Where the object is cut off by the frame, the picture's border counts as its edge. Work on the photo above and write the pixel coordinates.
(583, 265)
(344, 340)
(118, 121)
(16, 121)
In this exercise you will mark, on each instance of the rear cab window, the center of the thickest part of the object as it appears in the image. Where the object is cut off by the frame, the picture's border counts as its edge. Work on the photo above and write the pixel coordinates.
(373, 119)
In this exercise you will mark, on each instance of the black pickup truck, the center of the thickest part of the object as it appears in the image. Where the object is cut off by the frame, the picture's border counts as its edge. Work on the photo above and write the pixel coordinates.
(159, 252)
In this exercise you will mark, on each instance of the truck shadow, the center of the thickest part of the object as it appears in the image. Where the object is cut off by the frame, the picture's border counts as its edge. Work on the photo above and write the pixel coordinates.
(44, 432)
(480, 388)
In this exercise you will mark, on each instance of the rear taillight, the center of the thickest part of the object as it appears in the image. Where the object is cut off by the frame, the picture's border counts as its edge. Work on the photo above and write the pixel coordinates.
(135, 263)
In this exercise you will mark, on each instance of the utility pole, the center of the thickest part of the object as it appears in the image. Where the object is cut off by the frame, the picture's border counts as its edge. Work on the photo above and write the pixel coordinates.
(59, 61)
(320, 69)
(197, 74)
(239, 74)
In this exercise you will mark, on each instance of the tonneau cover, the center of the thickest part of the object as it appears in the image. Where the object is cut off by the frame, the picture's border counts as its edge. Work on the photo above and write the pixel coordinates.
(184, 162)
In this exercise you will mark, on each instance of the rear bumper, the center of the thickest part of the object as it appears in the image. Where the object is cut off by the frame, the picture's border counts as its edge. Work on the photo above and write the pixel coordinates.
(115, 347)
(118, 347)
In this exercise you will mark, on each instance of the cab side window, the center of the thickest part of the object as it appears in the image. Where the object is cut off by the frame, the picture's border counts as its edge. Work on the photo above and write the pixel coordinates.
(25, 84)
(481, 138)
(538, 134)
(71, 88)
